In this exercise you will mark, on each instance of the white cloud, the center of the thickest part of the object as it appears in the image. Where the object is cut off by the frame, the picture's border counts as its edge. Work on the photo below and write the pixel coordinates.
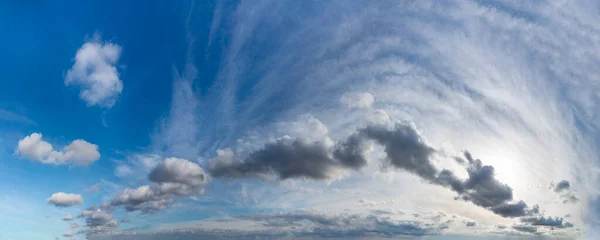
(358, 99)
(68, 218)
(68, 234)
(95, 72)
(79, 152)
(61, 199)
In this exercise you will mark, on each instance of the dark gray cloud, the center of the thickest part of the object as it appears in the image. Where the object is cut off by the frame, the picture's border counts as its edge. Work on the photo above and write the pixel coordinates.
(286, 158)
(172, 177)
(298, 158)
(547, 222)
(471, 224)
(405, 149)
(350, 152)
(518, 209)
(563, 185)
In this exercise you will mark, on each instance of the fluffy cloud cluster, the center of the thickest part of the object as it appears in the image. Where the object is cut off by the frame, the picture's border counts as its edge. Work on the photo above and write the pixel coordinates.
(172, 177)
(95, 73)
(79, 152)
(98, 220)
(61, 199)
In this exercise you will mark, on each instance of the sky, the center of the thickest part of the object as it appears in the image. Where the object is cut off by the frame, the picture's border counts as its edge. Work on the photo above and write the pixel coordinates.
(281, 119)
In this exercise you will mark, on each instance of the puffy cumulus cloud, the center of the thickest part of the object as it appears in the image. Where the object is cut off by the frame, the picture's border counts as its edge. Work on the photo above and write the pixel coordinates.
(358, 99)
(146, 199)
(61, 199)
(79, 152)
(176, 170)
(68, 218)
(171, 177)
(95, 73)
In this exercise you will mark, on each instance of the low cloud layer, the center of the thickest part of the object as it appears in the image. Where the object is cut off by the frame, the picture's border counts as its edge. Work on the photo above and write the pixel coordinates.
(95, 73)
(61, 199)
(79, 152)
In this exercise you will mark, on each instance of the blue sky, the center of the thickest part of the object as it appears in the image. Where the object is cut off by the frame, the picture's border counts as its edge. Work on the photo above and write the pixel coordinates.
(316, 119)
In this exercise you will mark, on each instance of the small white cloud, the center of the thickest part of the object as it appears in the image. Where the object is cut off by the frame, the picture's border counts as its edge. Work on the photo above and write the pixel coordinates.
(358, 99)
(61, 199)
(95, 73)
(68, 234)
(79, 152)
(68, 218)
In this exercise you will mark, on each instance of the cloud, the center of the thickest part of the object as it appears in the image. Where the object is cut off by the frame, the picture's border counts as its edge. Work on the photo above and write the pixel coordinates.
(94, 188)
(61, 199)
(68, 234)
(176, 170)
(547, 222)
(358, 99)
(98, 220)
(525, 228)
(68, 218)
(471, 224)
(563, 185)
(79, 152)
(285, 158)
(297, 224)
(171, 177)
(73, 226)
(404, 149)
(95, 73)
